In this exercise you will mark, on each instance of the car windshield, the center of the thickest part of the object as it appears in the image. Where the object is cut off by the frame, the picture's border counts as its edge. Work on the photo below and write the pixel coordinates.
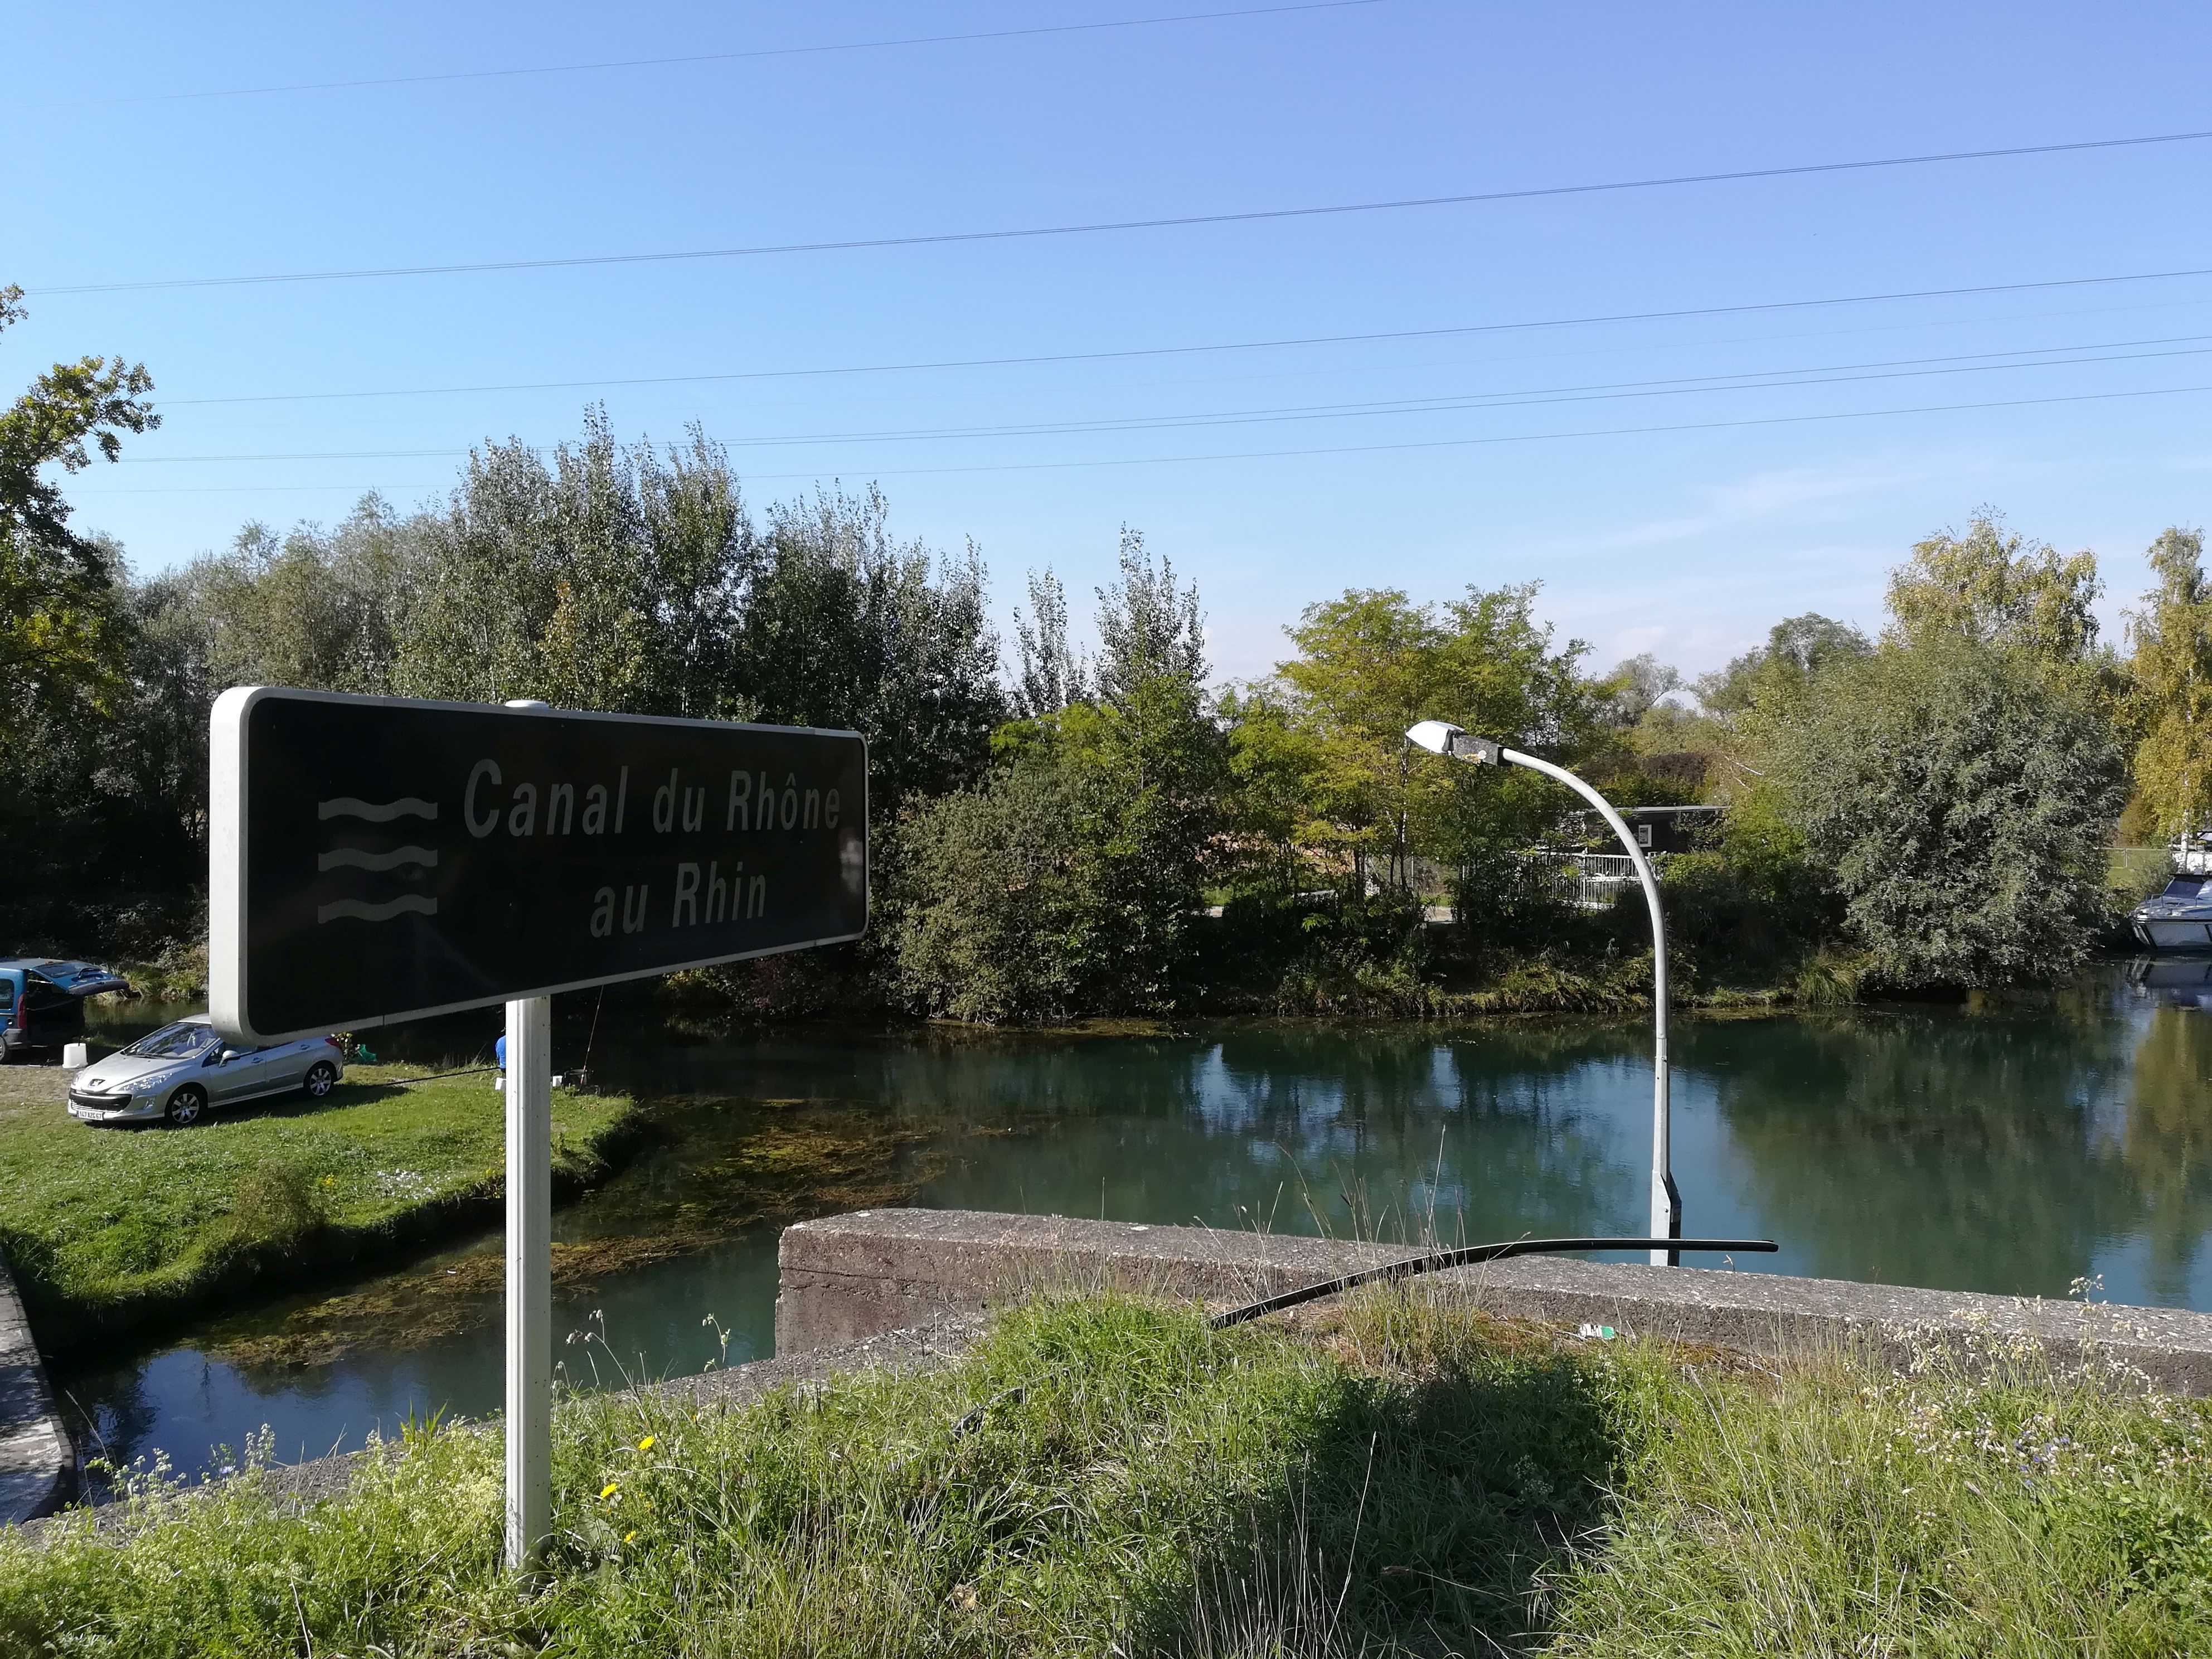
(179, 1041)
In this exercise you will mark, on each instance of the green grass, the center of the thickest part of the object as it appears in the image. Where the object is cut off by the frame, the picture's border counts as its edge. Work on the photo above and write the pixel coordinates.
(105, 1227)
(1110, 1478)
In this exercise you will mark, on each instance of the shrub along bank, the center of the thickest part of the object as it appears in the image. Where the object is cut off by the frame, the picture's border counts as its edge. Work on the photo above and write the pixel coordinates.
(1112, 1477)
(106, 1229)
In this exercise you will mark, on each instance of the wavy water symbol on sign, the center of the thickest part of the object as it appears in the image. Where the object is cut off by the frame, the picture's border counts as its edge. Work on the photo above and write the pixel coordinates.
(358, 857)
(352, 806)
(361, 857)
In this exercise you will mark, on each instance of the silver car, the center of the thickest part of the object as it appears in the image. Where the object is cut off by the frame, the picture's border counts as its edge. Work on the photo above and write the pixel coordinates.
(184, 1071)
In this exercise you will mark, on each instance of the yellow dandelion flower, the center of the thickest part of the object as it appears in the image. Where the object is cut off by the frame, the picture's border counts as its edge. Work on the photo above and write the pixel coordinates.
(645, 1444)
(629, 1537)
(611, 1489)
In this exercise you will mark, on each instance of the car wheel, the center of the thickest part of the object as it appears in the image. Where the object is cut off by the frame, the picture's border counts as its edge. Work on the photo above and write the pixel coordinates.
(187, 1105)
(320, 1076)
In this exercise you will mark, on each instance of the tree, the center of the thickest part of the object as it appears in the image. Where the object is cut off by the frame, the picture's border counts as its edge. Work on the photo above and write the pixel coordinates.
(1964, 800)
(1635, 687)
(1076, 870)
(2170, 676)
(1148, 626)
(1052, 675)
(606, 580)
(1001, 898)
(316, 609)
(1994, 586)
(839, 625)
(1776, 674)
(629, 578)
(1370, 664)
(61, 624)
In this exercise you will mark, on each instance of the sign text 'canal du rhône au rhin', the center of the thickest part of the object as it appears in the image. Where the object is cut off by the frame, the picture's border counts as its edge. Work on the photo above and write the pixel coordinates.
(376, 859)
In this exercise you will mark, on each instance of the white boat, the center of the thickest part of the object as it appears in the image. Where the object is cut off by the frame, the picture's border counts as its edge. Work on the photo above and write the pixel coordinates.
(2192, 855)
(2179, 918)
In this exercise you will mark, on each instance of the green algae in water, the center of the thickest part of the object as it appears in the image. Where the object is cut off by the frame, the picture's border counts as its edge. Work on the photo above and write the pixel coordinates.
(713, 1170)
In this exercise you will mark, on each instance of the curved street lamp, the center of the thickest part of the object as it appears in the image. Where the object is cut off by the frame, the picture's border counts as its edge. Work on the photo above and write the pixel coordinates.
(1443, 737)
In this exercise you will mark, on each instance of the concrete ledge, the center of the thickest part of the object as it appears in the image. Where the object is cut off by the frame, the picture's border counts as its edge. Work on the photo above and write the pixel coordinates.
(38, 1461)
(846, 1277)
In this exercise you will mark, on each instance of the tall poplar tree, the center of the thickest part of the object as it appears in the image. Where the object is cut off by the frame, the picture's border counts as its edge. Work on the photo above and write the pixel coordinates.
(2170, 686)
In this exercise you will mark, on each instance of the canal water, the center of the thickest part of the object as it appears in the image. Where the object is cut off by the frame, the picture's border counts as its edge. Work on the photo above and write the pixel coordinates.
(2018, 1148)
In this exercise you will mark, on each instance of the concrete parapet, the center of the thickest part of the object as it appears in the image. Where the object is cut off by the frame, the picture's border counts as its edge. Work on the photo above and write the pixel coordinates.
(38, 1462)
(847, 1277)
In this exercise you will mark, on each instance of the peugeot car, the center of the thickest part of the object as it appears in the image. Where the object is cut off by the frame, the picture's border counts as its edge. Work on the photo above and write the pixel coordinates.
(183, 1072)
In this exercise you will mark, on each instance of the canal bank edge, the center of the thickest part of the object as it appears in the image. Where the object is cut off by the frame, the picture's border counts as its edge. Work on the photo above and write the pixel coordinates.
(296, 1487)
(845, 1278)
(38, 1462)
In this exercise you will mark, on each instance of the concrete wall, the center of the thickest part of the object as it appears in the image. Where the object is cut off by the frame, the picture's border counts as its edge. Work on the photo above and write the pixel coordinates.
(851, 1276)
(37, 1464)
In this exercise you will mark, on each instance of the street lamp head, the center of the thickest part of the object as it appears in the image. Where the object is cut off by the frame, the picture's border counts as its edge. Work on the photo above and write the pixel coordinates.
(1443, 737)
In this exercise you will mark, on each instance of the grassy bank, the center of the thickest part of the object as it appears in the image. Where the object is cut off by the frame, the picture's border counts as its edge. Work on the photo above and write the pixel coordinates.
(1110, 1478)
(105, 1228)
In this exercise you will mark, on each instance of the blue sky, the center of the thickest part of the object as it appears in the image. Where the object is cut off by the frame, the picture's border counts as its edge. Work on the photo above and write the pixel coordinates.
(1688, 542)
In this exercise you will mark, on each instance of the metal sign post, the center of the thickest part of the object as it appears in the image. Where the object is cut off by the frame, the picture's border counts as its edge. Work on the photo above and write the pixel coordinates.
(529, 1420)
(529, 1278)
(380, 859)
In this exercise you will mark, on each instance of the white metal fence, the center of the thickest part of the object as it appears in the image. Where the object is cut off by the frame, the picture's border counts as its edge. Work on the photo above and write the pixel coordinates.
(1591, 880)
(1594, 879)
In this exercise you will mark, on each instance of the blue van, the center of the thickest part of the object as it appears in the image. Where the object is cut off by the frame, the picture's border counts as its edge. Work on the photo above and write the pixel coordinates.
(42, 1001)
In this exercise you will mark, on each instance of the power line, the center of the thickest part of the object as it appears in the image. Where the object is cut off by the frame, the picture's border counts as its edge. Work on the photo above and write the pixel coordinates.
(1749, 380)
(250, 490)
(734, 57)
(1353, 449)
(1190, 350)
(1034, 232)
(1516, 438)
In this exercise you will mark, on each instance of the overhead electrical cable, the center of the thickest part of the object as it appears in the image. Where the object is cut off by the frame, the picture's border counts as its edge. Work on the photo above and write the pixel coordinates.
(736, 57)
(1347, 449)
(1749, 380)
(1177, 221)
(1510, 438)
(1189, 350)
(252, 490)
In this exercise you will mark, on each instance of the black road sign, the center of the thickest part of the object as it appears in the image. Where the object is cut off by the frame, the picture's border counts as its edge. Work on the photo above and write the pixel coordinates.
(376, 859)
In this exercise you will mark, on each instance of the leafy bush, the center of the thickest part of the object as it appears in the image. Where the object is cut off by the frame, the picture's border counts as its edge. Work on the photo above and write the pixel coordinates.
(1728, 920)
(1355, 956)
(1964, 797)
(1508, 903)
(1003, 909)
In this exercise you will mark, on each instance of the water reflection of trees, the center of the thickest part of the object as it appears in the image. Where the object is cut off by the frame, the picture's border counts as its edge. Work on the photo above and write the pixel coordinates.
(1927, 1147)
(1930, 1149)
(2167, 1143)
(1376, 1130)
